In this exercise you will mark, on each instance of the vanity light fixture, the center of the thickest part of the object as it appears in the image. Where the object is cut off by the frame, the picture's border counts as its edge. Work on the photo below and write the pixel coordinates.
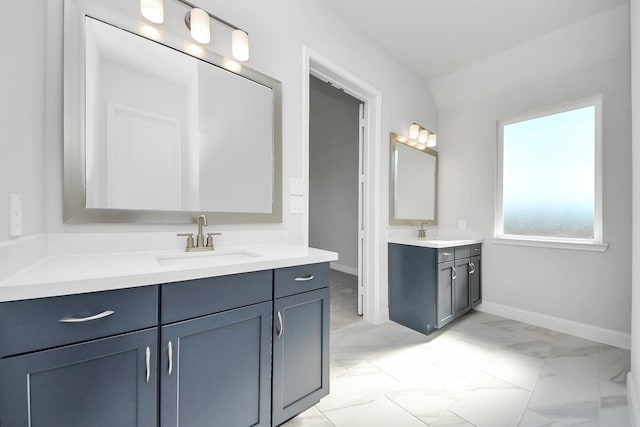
(421, 135)
(153, 10)
(198, 22)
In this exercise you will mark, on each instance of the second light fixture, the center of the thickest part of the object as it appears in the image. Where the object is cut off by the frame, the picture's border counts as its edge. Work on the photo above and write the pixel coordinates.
(423, 135)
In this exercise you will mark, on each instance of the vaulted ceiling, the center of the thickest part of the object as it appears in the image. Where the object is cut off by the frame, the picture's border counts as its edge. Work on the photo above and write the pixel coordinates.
(437, 37)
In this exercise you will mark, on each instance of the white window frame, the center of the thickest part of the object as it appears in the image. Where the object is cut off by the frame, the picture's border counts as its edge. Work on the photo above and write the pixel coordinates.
(595, 244)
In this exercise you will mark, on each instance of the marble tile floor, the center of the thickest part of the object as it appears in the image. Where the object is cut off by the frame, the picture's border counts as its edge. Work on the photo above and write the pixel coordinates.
(481, 370)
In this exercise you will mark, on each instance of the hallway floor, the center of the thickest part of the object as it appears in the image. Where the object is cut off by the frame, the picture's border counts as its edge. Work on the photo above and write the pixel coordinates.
(344, 299)
(481, 370)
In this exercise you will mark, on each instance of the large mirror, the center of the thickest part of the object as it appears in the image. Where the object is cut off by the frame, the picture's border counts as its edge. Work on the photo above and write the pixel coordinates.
(413, 187)
(162, 132)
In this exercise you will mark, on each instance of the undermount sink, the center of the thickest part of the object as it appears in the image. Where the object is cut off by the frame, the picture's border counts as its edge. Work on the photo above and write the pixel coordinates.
(205, 259)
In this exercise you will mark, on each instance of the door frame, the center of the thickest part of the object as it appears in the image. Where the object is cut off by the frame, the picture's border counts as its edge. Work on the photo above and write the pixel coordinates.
(319, 66)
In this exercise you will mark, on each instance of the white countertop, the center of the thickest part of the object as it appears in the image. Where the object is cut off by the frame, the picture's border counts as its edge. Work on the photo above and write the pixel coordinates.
(433, 243)
(73, 274)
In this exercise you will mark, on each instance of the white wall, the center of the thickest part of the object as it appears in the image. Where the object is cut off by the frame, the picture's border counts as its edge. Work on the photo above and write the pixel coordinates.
(333, 171)
(587, 58)
(22, 78)
(632, 382)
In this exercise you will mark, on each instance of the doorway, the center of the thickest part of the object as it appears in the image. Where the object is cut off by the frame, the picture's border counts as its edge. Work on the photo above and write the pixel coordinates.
(335, 152)
(369, 256)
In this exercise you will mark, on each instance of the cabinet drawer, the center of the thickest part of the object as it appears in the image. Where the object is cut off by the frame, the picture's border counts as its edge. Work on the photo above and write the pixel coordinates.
(476, 249)
(37, 324)
(200, 297)
(301, 278)
(445, 254)
(463, 252)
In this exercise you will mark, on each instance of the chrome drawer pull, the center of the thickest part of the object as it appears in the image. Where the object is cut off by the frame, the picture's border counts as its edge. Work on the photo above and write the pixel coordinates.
(281, 325)
(102, 315)
(170, 351)
(472, 266)
(304, 279)
(148, 362)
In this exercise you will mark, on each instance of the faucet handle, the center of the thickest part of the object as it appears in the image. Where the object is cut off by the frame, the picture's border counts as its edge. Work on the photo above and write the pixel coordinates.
(210, 239)
(189, 237)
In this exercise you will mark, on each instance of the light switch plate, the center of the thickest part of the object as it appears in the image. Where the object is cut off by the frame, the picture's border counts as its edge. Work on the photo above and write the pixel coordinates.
(15, 215)
(295, 186)
(296, 204)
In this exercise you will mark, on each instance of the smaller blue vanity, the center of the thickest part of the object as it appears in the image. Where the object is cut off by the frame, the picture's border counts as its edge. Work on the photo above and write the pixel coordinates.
(432, 282)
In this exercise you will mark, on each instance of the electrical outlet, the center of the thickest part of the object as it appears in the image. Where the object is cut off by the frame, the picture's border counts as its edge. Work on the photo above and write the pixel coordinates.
(15, 215)
(462, 224)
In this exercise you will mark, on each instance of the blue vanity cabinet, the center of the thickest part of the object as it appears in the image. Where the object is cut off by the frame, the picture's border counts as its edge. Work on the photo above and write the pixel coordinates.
(300, 339)
(98, 382)
(429, 288)
(215, 369)
(203, 352)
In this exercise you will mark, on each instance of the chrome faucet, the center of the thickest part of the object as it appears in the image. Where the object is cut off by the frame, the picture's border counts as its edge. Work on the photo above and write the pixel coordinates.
(199, 244)
(422, 233)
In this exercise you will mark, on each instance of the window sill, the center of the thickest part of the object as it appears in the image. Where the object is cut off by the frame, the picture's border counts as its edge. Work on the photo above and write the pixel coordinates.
(555, 244)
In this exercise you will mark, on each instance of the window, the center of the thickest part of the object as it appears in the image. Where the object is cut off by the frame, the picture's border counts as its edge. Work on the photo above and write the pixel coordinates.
(549, 176)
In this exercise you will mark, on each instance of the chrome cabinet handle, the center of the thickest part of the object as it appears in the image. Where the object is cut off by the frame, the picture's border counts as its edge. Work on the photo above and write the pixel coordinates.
(454, 273)
(472, 266)
(281, 330)
(102, 315)
(304, 279)
(148, 362)
(170, 351)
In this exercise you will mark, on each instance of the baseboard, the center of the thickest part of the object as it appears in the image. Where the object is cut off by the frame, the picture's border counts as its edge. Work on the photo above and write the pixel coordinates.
(582, 330)
(344, 269)
(632, 399)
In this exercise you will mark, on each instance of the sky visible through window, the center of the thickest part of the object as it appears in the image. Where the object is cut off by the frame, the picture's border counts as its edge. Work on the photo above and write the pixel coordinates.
(549, 175)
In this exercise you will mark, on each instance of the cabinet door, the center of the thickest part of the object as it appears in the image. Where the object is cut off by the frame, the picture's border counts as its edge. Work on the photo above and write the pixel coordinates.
(461, 287)
(215, 370)
(445, 293)
(102, 383)
(475, 269)
(300, 353)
